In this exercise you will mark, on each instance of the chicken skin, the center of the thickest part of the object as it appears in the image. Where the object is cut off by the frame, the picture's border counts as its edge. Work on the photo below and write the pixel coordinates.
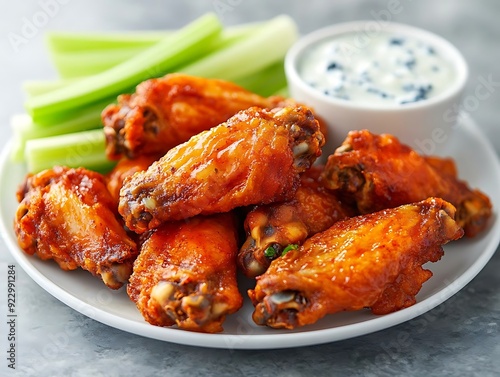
(167, 111)
(69, 216)
(369, 261)
(186, 274)
(256, 157)
(271, 228)
(377, 172)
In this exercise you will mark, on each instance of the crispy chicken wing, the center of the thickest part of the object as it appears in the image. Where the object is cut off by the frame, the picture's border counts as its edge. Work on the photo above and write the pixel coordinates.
(254, 158)
(68, 215)
(167, 111)
(273, 227)
(369, 261)
(186, 274)
(378, 172)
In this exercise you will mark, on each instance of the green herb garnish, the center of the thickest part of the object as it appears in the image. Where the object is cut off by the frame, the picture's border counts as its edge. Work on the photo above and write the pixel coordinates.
(288, 248)
(270, 252)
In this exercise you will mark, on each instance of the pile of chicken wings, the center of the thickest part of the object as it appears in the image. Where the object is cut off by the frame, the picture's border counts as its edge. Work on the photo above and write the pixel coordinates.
(212, 181)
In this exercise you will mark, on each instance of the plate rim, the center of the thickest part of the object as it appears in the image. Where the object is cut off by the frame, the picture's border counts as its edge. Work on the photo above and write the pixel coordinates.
(259, 341)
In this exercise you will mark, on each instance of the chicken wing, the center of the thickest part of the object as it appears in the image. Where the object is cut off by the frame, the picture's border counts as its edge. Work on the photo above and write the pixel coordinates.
(186, 274)
(167, 111)
(68, 215)
(271, 228)
(378, 172)
(254, 158)
(369, 261)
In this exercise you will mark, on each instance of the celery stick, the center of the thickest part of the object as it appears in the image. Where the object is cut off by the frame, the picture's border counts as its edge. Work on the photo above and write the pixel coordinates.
(74, 41)
(19, 122)
(17, 149)
(82, 119)
(25, 129)
(92, 61)
(250, 55)
(36, 87)
(86, 63)
(85, 149)
(282, 92)
(72, 64)
(64, 116)
(16, 145)
(70, 42)
(265, 82)
(189, 43)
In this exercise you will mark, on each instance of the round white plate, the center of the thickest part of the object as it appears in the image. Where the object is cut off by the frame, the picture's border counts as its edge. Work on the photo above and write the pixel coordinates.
(477, 163)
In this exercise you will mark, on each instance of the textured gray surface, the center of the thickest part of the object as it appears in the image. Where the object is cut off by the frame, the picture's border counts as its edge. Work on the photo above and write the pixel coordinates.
(460, 337)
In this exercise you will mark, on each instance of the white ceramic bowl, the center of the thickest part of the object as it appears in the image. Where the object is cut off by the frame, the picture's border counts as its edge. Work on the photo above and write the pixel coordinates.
(424, 125)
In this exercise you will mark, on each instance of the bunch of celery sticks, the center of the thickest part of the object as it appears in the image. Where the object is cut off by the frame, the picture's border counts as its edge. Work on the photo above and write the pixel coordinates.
(63, 124)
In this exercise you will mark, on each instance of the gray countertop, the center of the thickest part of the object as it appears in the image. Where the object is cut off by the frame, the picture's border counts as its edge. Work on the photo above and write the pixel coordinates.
(461, 337)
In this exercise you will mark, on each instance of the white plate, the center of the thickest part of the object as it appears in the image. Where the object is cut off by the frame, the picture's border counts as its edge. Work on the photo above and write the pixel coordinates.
(477, 163)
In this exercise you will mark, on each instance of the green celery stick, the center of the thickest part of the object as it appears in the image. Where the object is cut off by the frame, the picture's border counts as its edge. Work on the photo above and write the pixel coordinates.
(25, 129)
(19, 122)
(87, 63)
(80, 63)
(265, 82)
(81, 149)
(267, 45)
(70, 42)
(59, 41)
(188, 44)
(34, 88)
(65, 116)
(282, 92)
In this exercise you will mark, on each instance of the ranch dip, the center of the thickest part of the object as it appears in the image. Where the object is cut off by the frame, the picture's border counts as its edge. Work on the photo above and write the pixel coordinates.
(385, 69)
